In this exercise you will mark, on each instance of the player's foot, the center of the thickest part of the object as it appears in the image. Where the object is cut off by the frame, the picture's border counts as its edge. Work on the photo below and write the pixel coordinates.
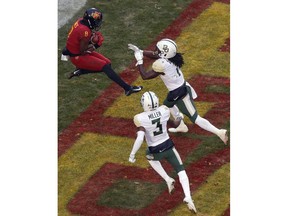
(190, 204)
(181, 128)
(223, 135)
(76, 72)
(133, 89)
(170, 184)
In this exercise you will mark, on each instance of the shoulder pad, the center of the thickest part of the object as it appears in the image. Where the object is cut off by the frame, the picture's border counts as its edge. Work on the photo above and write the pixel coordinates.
(137, 121)
(159, 65)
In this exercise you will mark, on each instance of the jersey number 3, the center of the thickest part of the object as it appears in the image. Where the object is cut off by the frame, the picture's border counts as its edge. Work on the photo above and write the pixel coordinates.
(158, 125)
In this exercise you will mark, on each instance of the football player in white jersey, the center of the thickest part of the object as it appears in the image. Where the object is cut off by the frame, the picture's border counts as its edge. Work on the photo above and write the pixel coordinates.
(152, 124)
(181, 94)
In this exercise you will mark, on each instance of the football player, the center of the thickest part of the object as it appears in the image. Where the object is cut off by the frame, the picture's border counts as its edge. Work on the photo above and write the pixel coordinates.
(83, 38)
(181, 94)
(152, 124)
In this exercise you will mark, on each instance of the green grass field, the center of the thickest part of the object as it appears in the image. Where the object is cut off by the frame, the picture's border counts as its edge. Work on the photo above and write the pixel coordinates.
(125, 21)
(93, 157)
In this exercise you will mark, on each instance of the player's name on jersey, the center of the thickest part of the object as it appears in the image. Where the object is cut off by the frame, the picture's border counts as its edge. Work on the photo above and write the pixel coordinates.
(154, 115)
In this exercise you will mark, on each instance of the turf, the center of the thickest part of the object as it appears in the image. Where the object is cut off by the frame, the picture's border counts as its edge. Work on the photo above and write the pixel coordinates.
(125, 21)
(131, 22)
(141, 193)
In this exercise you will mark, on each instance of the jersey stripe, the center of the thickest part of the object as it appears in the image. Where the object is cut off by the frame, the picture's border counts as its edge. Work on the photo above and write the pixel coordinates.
(177, 156)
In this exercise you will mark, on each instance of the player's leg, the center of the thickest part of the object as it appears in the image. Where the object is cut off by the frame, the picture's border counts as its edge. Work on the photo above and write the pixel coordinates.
(176, 115)
(157, 166)
(102, 57)
(107, 69)
(154, 161)
(186, 105)
(97, 62)
(174, 159)
(88, 62)
(184, 180)
(206, 125)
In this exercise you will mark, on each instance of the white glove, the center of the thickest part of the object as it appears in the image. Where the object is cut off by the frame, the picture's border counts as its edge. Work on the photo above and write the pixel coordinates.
(132, 158)
(138, 53)
(133, 47)
(139, 57)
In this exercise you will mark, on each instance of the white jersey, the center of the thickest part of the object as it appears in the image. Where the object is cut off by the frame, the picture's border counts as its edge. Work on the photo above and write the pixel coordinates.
(155, 124)
(173, 77)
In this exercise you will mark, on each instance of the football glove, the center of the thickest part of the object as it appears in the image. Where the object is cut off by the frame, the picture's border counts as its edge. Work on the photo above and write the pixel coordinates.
(97, 39)
(139, 57)
(132, 158)
(133, 47)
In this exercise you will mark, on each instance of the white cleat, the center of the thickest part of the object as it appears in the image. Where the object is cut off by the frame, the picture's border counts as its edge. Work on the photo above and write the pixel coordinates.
(223, 135)
(170, 185)
(181, 128)
(190, 204)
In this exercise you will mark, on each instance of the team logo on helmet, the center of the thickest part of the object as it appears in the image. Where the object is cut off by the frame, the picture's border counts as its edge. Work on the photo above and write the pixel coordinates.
(96, 15)
(165, 48)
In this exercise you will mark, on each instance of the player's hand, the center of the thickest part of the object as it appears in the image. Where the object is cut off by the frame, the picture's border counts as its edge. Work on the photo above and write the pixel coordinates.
(90, 48)
(133, 47)
(100, 38)
(132, 158)
(139, 57)
(97, 39)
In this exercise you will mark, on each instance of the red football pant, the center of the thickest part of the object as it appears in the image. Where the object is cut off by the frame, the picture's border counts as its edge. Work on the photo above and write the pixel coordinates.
(91, 61)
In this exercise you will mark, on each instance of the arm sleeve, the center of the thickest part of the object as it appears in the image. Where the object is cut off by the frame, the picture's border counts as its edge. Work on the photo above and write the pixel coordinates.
(138, 142)
(158, 66)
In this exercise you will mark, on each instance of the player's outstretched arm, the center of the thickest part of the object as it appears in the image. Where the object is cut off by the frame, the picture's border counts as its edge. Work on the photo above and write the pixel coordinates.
(150, 54)
(139, 54)
(137, 144)
(146, 75)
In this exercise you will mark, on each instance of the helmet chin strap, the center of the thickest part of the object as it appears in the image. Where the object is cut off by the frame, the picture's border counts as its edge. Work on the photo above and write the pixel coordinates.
(89, 24)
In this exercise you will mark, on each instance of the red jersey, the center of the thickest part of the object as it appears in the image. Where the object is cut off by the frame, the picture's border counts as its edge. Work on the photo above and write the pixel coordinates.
(77, 32)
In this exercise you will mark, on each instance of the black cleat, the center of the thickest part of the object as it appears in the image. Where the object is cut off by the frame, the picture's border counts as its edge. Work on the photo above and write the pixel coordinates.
(76, 72)
(133, 89)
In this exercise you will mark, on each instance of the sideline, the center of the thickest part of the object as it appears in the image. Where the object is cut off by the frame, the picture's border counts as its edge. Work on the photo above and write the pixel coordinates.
(67, 9)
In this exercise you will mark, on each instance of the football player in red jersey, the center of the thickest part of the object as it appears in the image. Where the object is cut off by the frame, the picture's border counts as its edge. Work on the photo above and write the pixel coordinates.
(83, 38)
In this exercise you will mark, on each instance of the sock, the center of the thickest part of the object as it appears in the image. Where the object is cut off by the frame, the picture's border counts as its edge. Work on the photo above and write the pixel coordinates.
(206, 125)
(183, 178)
(156, 165)
(113, 76)
(175, 112)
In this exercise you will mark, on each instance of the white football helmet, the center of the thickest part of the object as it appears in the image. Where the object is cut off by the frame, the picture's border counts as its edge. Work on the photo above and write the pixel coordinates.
(167, 47)
(149, 101)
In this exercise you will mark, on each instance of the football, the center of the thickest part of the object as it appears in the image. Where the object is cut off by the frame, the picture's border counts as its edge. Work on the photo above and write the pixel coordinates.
(94, 39)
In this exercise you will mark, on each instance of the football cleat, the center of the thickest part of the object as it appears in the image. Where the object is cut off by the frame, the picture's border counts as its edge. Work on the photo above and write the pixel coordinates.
(133, 89)
(76, 72)
(181, 128)
(190, 204)
(170, 184)
(223, 135)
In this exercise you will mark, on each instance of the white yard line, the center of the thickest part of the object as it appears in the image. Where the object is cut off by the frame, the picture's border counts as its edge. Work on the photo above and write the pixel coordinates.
(67, 9)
